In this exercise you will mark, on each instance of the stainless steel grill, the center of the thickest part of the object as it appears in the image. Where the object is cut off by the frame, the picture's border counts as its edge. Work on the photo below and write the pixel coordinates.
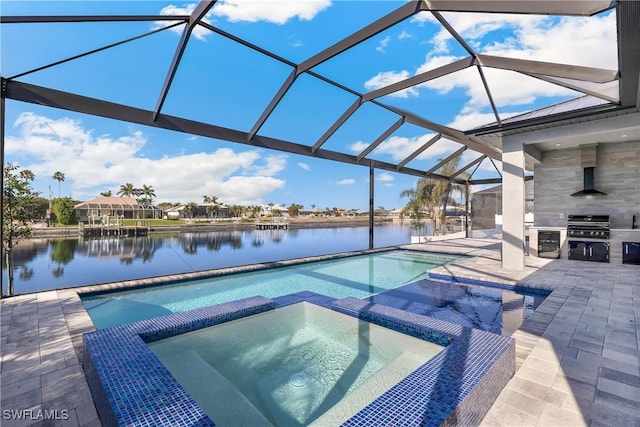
(588, 226)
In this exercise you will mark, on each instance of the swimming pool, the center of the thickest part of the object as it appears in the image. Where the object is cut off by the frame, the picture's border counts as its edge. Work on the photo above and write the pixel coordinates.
(457, 386)
(356, 276)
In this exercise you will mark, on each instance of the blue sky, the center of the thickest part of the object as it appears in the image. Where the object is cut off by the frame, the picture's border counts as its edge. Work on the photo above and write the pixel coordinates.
(229, 85)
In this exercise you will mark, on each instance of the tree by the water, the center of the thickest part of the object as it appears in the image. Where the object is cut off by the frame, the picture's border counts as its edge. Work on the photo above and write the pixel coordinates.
(17, 213)
(431, 195)
(58, 176)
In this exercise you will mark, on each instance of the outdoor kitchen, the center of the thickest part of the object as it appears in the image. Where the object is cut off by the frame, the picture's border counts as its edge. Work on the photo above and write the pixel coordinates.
(587, 204)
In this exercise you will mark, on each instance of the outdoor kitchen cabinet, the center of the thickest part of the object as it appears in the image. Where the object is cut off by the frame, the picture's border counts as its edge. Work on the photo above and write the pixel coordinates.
(588, 251)
(631, 253)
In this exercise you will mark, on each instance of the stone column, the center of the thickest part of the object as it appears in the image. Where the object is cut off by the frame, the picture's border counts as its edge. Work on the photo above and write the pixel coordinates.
(513, 203)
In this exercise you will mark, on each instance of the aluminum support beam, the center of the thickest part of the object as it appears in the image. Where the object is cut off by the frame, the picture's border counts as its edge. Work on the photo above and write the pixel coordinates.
(371, 202)
(420, 78)
(450, 133)
(467, 166)
(575, 72)
(466, 211)
(473, 54)
(89, 18)
(381, 138)
(447, 160)
(541, 7)
(485, 181)
(569, 85)
(247, 44)
(474, 171)
(47, 97)
(494, 165)
(416, 153)
(489, 95)
(454, 33)
(628, 53)
(389, 20)
(273, 103)
(343, 118)
(100, 49)
(2, 125)
(198, 13)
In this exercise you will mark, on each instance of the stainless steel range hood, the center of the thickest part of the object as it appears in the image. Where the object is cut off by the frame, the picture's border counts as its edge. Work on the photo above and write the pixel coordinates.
(588, 163)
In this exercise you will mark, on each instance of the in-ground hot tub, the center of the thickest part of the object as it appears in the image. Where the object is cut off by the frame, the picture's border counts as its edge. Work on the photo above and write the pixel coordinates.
(292, 366)
(132, 386)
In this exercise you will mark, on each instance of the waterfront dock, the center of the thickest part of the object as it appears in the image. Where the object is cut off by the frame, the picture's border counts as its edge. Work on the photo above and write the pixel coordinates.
(97, 231)
(273, 224)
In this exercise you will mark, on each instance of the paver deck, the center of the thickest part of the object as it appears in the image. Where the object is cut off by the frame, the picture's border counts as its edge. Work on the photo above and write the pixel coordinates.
(578, 357)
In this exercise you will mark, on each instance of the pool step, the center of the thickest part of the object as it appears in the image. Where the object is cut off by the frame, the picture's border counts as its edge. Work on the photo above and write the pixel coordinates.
(229, 408)
(371, 389)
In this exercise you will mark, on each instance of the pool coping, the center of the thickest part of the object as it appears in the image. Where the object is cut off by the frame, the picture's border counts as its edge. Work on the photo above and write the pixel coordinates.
(131, 386)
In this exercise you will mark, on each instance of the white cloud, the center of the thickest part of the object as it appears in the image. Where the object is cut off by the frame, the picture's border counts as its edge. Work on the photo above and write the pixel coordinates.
(434, 61)
(198, 32)
(422, 17)
(275, 11)
(273, 165)
(358, 146)
(382, 45)
(400, 147)
(472, 119)
(565, 43)
(384, 177)
(539, 38)
(404, 35)
(304, 166)
(386, 78)
(346, 181)
(474, 26)
(97, 163)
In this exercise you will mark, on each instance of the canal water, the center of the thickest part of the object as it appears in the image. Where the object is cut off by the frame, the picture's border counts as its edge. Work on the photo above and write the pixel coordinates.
(44, 264)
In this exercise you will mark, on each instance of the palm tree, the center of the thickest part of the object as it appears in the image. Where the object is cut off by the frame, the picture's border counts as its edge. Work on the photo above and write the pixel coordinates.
(147, 192)
(146, 201)
(446, 188)
(106, 193)
(27, 175)
(254, 210)
(58, 176)
(421, 198)
(191, 208)
(127, 190)
(431, 193)
(236, 210)
(212, 204)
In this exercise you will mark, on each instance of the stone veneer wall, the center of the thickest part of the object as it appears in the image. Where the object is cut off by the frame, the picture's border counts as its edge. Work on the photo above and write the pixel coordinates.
(560, 174)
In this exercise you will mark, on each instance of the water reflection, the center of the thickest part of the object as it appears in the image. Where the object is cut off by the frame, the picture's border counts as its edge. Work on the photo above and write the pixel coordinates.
(119, 248)
(26, 273)
(42, 264)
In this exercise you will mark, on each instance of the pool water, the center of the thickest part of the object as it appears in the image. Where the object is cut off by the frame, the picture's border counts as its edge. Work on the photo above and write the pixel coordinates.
(491, 309)
(355, 276)
(292, 366)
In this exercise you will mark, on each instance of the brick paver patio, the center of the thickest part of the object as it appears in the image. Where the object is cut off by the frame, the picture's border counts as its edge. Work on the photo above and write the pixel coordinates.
(578, 357)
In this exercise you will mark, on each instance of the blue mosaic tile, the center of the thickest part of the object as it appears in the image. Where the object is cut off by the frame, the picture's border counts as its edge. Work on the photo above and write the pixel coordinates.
(131, 386)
